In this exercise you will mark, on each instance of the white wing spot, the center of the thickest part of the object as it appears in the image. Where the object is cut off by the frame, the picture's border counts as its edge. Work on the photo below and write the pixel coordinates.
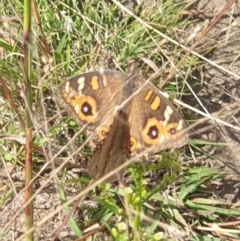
(81, 83)
(76, 108)
(67, 87)
(167, 113)
(180, 125)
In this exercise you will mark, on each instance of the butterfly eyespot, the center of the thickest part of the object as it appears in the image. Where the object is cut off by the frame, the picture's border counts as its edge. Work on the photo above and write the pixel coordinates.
(86, 108)
(102, 132)
(153, 132)
(132, 144)
(172, 131)
(172, 128)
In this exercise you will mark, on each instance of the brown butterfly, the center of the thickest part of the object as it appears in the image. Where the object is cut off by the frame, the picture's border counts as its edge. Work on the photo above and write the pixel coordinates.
(128, 115)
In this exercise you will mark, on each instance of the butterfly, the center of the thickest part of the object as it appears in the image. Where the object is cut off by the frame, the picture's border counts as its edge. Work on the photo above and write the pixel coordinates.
(128, 115)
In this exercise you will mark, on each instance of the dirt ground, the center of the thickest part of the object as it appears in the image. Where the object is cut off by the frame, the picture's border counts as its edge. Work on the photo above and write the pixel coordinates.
(220, 91)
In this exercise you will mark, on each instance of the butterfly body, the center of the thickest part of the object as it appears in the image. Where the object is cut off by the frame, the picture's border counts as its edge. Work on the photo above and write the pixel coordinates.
(128, 115)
